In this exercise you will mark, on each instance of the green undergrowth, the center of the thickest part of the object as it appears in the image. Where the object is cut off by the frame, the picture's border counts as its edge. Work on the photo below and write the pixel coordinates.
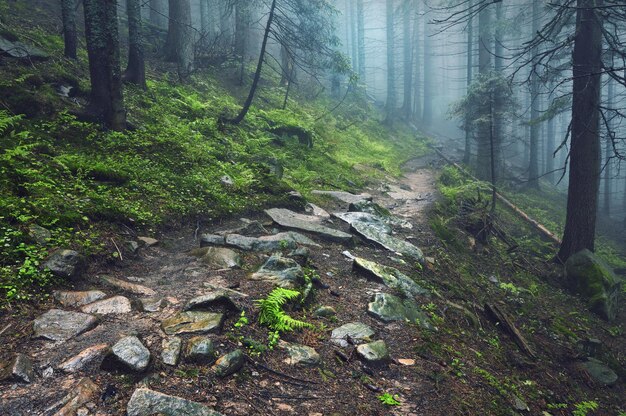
(177, 161)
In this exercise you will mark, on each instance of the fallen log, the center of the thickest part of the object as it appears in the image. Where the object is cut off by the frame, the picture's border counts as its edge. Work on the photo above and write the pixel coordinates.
(500, 317)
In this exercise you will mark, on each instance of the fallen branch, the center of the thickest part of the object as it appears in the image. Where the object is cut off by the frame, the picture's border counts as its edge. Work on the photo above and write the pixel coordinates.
(506, 323)
(278, 373)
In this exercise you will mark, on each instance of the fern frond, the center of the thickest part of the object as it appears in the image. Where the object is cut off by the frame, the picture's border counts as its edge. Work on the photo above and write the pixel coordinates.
(273, 315)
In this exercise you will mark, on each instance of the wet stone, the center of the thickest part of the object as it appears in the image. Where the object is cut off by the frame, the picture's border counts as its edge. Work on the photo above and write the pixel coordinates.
(129, 287)
(192, 322)
(365, 218)
(131, 353)
(113, 305)
(300, 355)
(388, 242)
(170, 350)
(20, 368)
(600, 372)
(289, 219)
(389, 276)
(357, 332)
(281, 271)
(149, 402)
(59, 325)
(219, 299)
(200, 349)
(73, 299)
(229, 364)
(373, 352)
(84, 358)
(67, 264)
(388, 308)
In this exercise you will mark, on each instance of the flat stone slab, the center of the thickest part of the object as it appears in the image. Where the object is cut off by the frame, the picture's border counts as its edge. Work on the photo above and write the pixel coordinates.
(281, 271)
(389, 276)
(153, 304)
(20, 368)
(357, 331)
(149, 402)
(300, 355)
(20, 50)
(373, 352)
(218, 257)
(84, 358)
(129, 287)
(289, 219)
(113, 305)
(170, 350)
(74, 299)
(131, 353)
(388, 308)
(345, 197)
(191, 322)
(216, 299)
(382, 213)
(290, 236)
(245, 243)
(211, 240)
(59, 325)
(388, 242)
(364, 217)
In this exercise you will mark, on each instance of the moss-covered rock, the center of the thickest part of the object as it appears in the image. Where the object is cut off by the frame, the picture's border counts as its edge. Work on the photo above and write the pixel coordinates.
(595, 281)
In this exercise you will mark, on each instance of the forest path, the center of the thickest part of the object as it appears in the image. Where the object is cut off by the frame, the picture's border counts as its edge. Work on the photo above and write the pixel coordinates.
(121, 340)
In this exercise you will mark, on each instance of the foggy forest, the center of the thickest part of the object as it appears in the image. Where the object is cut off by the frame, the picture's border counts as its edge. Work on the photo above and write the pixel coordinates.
(312, 207)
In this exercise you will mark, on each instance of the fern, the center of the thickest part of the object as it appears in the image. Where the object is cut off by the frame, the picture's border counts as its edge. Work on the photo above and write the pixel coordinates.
(7, 121)
(273, 315)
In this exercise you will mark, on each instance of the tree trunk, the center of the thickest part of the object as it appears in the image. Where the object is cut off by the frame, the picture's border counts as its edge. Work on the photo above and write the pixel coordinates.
(427, 108)
(106, 98)
(204, 17)
(259, 67)
(485, 41)
(467, 154)
(158, 13)
(608, 153)
(584, 170)
(68, 11)
(407, 106)
(417, 104)
(498, 111)
(360, 17)
(533, 167)
(136, 69)
(391, 70)
(179, 44)
(550, 143)
(353, 36)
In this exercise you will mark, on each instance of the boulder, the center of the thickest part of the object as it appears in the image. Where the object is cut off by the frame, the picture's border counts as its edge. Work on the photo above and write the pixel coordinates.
(595, 281)
(281, 271)
(59, 325)
(301, 355)
(600, 372)
(200, 350)
(358, 333)
(19, 368)
(388, 308)
(67, 264)
(170, 351)
(131, 353)
(149, 402)
(20, 50)
(229, 364)
(289, 219)
(373, 353)
(325, 312)
(191, 322)
(389, 276)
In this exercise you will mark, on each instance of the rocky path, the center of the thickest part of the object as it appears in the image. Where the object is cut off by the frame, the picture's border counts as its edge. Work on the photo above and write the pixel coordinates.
(172, 328)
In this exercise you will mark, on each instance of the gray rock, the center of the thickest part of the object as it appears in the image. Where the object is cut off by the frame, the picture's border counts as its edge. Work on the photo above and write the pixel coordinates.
(229, 364)
(113, 305)
(389, 276)
(600, 372)
(20, 368)
(313, 209)
(170, 351)
(595, 281)
(357, 331)
(129, 287)
(345, 197)
(365, 218)
(191, 322)
(211, 240)
(58, 325)
(227, 180)
(19, 50)
(289, 237)
(388, 308)
(380, 212)
(301, 355)
(252, 229)
(132, 246)
(153, 304)
(149, 402)
(84, 358)
(325, 312)
(220, 299)
(67, 264)
(289, 219)
(148, 241)
(218, 257)
(131, 353)
(388, 242)
(200, 349)
(373, 352)
(301, 255)
(40, 234)
(74, 299)
(281, 271)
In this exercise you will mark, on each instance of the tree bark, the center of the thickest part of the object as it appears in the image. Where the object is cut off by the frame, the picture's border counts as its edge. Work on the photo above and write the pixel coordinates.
(68, 11)
(259, 67)
(136, 69)
(467, 154)
(407, 106)
(608, 150)
(391, 70)
(485, 41)
(179, 44)
(550, 144)
(584, 170)
(106, 99)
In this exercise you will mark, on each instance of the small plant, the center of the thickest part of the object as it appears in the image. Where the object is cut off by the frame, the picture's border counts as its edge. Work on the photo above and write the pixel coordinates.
(242, 321)
(510, 288)
(273, 315)
(458, 367)
(583, 408)
(389, 400)
(272, 339)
